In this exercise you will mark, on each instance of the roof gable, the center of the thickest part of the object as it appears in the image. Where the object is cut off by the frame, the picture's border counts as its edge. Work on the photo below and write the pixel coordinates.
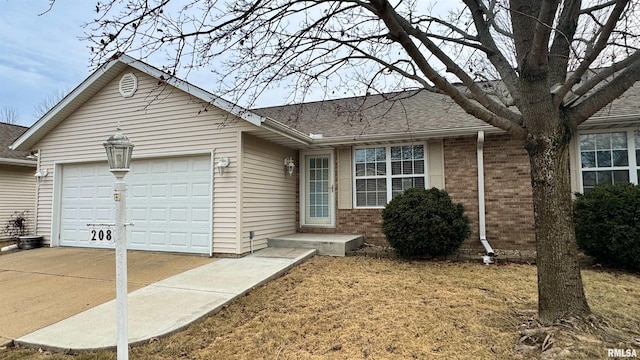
(102, 76)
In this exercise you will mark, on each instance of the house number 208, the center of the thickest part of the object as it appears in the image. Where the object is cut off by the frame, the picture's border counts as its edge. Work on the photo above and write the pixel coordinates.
(101, 235)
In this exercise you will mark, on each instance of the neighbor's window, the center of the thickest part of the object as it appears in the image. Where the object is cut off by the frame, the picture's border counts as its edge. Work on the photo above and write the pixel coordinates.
(384, 172)
(609, 158)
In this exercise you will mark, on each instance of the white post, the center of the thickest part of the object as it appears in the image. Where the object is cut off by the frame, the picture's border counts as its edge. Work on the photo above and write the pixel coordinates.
(120, 196)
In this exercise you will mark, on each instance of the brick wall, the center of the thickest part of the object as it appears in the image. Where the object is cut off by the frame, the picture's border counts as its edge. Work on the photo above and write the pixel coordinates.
(508, 199)
(367, 222)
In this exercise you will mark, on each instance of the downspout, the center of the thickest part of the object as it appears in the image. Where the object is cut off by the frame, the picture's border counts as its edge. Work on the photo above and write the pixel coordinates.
(35, 209)
(481, 208)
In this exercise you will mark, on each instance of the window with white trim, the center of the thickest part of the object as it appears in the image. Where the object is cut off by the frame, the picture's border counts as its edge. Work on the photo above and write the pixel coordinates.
(609, 158)
(386, 171)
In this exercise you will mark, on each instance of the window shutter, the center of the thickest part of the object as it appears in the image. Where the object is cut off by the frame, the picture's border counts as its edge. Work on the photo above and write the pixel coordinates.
(345, 179)
(435, 159)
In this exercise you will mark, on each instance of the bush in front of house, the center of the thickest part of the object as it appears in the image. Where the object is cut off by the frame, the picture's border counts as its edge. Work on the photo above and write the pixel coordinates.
(607, 221)
(424, 223)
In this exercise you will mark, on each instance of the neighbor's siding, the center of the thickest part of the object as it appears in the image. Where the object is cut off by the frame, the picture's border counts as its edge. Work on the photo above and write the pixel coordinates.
(158, 120)
(17, 193)
(268, 192)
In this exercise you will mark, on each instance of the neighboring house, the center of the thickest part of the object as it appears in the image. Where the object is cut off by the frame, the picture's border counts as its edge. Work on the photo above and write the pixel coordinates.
(351, 156)
(17, 183)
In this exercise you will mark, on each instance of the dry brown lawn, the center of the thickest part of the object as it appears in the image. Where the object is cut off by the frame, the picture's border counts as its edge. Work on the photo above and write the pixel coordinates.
(365, 308)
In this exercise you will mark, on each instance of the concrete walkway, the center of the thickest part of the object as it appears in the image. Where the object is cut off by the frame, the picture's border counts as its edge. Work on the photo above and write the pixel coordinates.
(168, 305)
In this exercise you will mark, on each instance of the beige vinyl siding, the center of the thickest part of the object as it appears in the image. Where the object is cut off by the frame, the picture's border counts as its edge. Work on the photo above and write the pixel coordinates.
(17, 193)
(268, 192)
(159, 120)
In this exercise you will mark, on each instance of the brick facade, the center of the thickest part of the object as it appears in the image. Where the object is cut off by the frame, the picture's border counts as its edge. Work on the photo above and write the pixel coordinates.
(508, 198)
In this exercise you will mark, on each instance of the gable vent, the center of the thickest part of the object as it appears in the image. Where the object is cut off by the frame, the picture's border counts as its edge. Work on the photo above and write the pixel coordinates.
(128, 85)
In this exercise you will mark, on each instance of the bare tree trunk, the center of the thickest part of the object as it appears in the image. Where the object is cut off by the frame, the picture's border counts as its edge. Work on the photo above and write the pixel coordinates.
(560, 290)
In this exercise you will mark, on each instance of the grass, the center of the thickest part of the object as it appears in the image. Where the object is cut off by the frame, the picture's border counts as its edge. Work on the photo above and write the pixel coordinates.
(365, 308)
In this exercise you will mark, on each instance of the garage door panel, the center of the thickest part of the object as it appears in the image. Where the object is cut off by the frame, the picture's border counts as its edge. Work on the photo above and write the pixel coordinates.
(160, 167)
(199, 215)
(179, 168)
(168, 200)
(159, 191)
(178, 239)
(200, 241)
(136, 238)
(200, 190)
(180, 191)
(158, 214)
(179, 215)
(137, 191)
(104, 214)
(104, 192)
(201, 165)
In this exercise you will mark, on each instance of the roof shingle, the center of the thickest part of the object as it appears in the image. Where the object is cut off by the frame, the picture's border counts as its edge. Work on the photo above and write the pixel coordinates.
(394, 113)
(8, 133)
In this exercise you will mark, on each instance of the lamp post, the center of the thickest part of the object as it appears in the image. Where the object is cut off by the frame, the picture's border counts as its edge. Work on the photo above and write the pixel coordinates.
(119, 150)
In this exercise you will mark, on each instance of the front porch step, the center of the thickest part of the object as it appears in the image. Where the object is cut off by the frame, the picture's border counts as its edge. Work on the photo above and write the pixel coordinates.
(325, 244)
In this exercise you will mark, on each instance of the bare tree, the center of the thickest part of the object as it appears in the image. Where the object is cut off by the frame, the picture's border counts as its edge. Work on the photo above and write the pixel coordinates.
(49, 101)
(536, 69)
(9, 115)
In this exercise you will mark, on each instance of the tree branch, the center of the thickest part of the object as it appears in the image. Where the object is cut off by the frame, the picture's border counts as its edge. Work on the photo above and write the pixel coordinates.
(591, 56)
(390, 17)
(605, 94)
(495, 56)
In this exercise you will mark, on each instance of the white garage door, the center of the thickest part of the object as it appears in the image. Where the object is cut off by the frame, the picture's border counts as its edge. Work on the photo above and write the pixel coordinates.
(168, 201)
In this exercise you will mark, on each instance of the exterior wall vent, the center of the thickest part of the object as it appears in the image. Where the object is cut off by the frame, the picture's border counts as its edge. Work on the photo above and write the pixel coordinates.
(128, 85)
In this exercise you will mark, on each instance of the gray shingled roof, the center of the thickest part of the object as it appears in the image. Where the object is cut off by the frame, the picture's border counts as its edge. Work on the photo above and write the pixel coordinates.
(403, 112)
(8, 133)
(393, 113)
(627, 104)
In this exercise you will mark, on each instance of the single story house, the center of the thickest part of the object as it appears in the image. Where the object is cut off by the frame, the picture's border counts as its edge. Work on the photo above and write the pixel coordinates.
(210, 177)
(17, 181)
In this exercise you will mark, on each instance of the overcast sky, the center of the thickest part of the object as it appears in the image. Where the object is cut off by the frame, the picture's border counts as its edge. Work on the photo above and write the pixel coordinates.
(41, 53)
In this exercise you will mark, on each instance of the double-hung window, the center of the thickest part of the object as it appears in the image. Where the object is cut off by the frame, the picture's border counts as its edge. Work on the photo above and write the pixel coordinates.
(386, 171)
(609, 158)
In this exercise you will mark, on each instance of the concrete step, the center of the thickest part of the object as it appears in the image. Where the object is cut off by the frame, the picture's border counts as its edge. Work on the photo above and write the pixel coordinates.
(324, 244)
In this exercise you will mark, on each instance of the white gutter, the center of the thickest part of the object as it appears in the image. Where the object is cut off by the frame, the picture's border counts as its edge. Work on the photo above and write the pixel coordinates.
(390, 137)
(610, 121)
(481, 207)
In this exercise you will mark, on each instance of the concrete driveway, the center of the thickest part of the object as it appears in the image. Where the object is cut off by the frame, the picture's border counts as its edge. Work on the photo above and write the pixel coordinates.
(40, 287)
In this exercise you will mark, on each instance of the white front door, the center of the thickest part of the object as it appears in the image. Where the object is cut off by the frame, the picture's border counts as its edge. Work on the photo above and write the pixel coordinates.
(318, 202)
